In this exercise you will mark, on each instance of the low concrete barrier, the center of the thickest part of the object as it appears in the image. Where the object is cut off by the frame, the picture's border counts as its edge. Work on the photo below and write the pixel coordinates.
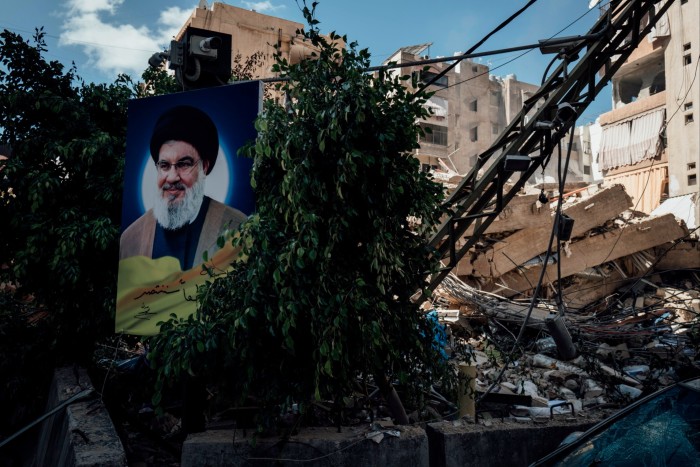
(312, 446)
(81, 434)
(440, 444)
(511, 444)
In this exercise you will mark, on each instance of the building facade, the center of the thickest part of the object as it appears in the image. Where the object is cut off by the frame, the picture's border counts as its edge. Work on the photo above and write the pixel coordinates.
(649, 140)
(252, 33)
(470, 108)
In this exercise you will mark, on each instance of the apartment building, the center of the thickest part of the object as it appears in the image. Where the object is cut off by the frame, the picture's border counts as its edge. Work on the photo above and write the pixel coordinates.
(470, 108)
(649, 140)
(252, 33)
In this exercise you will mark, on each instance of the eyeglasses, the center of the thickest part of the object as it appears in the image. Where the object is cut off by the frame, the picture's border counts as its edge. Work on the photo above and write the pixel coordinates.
(182, 166)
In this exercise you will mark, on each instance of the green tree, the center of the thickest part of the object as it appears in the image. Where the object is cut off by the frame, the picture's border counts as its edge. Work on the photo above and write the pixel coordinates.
(321, 297)
(60, 225)
(60, 231)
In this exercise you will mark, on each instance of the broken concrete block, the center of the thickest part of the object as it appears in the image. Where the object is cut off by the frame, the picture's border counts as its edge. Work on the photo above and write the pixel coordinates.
(529, 388)
(566, 393)
(617, 352)
(572, 384)
(591, 389)
(510, 386)
(629, 391)
(538, 401)
(639, 372)
(592, 251)
(527, 243)
(543, 361)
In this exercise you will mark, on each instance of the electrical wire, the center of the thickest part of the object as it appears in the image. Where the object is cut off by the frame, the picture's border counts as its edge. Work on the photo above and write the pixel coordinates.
(522, 54)
(476, 46)
(509, 357)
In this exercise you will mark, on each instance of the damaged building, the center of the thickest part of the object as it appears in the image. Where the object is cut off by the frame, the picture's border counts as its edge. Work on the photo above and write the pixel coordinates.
(649, 140)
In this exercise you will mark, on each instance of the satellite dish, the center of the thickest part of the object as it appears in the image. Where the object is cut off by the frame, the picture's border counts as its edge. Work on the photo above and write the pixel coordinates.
(203, 4)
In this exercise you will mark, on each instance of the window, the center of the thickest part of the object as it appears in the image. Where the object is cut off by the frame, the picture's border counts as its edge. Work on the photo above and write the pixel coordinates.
(495, 130)
(687, 60)
(688, 106)
(475, 69)
(473, 106)
(474, 134)
(434, 134)
(586, 147)
(688, 118)
(683, 2)
(495, 97)
(691, 166)
(692, 180)
(686, 47)
(659, 83)
(428, 76)
(586, 170)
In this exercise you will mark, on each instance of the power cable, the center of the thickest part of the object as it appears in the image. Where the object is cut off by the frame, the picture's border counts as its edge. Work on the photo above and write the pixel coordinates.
(476, 46)
(522, 54)
(533, 300)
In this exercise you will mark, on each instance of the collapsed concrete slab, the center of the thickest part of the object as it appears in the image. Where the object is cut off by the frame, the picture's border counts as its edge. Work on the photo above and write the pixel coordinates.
(595, 250)
(519, 247)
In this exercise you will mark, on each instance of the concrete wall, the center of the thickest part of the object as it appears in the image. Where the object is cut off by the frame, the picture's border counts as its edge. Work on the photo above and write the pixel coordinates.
(81, 434)
(253, 32)
(440, 444)
(683, 88)
(312, 447)
(498, 445)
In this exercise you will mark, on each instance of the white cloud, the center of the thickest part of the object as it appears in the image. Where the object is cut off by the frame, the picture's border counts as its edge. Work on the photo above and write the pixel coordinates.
(173, 18)
(114, 48)
(261, 7)
(92, 6)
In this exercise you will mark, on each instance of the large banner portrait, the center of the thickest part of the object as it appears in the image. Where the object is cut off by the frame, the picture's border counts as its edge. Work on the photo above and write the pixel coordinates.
(185, 192)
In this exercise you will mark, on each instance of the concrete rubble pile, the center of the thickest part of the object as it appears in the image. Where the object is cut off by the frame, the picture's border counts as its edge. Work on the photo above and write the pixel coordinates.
(630, 302)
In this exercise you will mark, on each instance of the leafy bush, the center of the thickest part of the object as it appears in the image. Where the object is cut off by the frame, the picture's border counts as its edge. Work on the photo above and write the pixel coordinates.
(320, 299)
(60, 205)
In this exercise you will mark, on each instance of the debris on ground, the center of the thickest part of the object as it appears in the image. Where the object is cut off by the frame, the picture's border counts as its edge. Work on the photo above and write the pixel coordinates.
(625, 287)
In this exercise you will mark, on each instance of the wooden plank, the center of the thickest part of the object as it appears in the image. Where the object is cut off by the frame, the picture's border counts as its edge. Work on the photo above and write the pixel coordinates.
(593, 251)
(528, 243)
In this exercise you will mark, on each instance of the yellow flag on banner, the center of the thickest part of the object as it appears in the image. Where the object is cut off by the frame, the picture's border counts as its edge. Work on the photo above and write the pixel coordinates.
(150, 290)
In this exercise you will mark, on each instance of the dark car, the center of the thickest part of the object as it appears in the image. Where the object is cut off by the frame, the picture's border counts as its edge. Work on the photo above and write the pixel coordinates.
(662, 429)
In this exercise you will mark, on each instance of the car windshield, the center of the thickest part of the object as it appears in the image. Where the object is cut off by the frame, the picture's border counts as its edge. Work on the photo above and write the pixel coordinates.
(663, 431)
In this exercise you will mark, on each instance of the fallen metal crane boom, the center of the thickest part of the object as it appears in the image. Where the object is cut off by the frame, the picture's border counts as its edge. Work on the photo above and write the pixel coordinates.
(551, 113)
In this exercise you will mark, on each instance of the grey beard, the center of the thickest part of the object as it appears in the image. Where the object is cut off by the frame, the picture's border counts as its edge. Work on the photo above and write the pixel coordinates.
(172, 216)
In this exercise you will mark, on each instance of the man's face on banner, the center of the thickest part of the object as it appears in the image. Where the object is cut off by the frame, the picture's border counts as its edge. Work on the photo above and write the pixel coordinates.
(180, 182)
(178, 169)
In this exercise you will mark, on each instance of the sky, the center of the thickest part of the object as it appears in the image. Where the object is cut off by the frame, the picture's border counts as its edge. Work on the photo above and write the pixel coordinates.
(107, 37)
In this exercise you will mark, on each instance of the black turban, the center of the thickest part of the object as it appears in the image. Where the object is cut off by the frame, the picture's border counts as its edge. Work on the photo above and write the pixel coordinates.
(188, 124)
